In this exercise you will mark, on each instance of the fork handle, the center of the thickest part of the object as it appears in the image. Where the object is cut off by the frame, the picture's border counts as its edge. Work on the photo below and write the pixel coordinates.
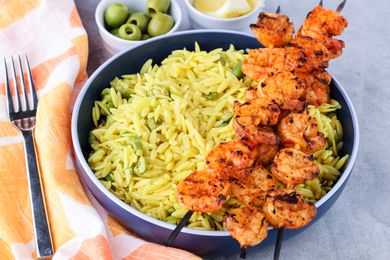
(43, 243)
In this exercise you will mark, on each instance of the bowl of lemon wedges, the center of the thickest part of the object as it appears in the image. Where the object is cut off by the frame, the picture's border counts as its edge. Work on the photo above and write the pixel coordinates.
(223, 14)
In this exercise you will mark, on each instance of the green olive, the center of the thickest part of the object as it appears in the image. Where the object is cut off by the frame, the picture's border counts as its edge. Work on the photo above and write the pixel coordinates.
(116, 15)
(146, 36)
(130, 31)
(139, 19)
(157, 6)
(115, 32)
(160, 24)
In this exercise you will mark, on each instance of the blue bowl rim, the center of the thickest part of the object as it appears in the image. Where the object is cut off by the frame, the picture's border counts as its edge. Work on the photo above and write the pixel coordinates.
(79, 155)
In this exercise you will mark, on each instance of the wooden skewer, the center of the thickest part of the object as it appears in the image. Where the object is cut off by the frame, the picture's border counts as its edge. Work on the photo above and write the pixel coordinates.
(341, 6)
(278, 245)
(178, 228)
(243, 252)
(278, 10)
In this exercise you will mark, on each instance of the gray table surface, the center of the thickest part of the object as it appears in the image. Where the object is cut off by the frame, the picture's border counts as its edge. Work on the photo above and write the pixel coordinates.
(358, 225)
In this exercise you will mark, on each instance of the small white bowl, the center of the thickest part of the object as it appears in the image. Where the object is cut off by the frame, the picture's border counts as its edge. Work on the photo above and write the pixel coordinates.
(115, 44)
(201, 20)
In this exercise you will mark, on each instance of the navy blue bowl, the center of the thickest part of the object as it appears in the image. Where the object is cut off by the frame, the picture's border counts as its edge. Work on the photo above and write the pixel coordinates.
(130, 61)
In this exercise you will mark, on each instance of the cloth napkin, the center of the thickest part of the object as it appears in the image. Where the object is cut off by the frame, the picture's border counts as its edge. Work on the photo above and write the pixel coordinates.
(50, 32)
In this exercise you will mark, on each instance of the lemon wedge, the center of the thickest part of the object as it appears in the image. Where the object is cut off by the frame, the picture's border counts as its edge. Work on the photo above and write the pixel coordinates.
(254, 3)
(234, 8)
(225, 8)
(208, 6)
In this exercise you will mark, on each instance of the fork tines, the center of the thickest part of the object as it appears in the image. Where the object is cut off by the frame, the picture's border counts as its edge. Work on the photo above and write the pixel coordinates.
(23, 107)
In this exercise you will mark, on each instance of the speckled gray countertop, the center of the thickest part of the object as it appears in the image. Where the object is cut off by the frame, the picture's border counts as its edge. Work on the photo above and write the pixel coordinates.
(358, 225)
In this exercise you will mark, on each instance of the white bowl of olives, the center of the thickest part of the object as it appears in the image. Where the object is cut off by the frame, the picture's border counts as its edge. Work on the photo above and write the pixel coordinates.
(124, 23)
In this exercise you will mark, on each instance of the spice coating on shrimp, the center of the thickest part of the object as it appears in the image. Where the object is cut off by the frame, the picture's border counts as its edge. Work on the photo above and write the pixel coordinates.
(316, 87)
(265, 153)
(264, 111)
(231, 160)
(263, 61)
(285, 88)
(252, 190)
(300, 131)
(246, 129)
(273, 30)
(288, 209)
(323, 24)
(293, 167)
(247, 225)
(202, 192)
(253, 119)
(312, 47)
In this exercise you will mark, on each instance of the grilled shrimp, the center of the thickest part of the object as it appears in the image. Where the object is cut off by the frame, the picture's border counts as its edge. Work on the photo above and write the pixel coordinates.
(293, 167)
(253, 118)
(312, 47)
(231, 160)
(288, 209)
(323, 24)
(264, 111)
(283, 87)
(252, 190)
(317, 87)
(273, 30)
(202, 192)
(245, 128)
(266, 153)
(247, 225)
(300, 131)
(324, 21)
(293, 90)
(263, 61)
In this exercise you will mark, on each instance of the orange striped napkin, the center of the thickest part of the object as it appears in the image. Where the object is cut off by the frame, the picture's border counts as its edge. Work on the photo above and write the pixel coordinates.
(51, 34)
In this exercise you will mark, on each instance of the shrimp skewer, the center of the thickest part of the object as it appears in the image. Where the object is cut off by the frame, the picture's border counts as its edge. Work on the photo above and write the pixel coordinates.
(260, 190)
(291, 74)
(206, 191)
(315, 41)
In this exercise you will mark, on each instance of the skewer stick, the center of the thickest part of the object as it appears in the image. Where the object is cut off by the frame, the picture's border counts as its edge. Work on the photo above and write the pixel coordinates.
(321, 3)
(341, 6)
(278, 245)
(278, 10)
(178, 228)
(243, 252)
